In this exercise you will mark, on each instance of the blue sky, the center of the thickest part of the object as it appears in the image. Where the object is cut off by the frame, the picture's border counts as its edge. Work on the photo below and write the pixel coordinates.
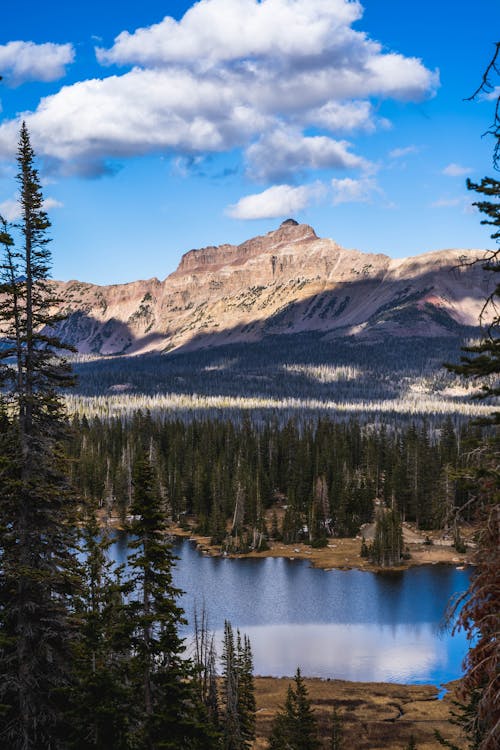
(162, 126)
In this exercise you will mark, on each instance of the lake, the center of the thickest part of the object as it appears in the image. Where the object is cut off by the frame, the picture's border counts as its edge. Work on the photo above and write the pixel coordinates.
(339, 624)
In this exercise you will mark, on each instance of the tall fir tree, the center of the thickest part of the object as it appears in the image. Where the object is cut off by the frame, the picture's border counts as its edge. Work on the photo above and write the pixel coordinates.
(38, 562)
(101, 696)
(295, 727)
(169, 714)
(232, 738)
(246, 691)
(387, 547)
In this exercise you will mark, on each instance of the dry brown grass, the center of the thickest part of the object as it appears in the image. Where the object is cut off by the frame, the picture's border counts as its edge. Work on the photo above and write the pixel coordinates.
(342, 553)
(377, 716)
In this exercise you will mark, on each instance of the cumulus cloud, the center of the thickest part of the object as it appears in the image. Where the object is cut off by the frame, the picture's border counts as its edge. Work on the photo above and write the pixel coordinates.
(283, 152)
(27, 61)
(348, 190)
(340, 117)
(10, 209)
(51, 203)
(215, 31)
(88, 122)
(226, 72)
(276, 201)
(456, 170)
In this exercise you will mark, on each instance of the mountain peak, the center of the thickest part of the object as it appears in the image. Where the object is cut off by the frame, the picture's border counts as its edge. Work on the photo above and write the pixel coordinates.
(284, 282)
(212, 257)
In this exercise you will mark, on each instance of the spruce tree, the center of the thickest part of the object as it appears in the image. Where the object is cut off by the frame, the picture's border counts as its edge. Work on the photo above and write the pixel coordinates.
(101, 696)
(295, 727)
(232, 738)
(38, 562)
(387, 547)
(167, 710)
(246, 690)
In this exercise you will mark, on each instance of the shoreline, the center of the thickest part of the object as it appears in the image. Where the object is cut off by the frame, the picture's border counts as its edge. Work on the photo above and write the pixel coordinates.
(340, 553)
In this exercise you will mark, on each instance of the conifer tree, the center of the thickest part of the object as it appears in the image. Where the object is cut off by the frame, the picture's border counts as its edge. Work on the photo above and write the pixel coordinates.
(169, 714)
(387, 544)
(232, 738)
(294, 727)
(101, 697)
(246, 690)
(38, 564)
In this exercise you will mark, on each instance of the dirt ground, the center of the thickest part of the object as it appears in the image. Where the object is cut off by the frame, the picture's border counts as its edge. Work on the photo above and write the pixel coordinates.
(345, 553)
(376, 716)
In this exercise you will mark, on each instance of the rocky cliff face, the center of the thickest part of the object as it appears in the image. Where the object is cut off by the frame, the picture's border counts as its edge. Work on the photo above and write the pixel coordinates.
(285, 282)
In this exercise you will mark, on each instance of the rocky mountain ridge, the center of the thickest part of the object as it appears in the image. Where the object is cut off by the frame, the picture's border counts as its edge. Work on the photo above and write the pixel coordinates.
(287, 281)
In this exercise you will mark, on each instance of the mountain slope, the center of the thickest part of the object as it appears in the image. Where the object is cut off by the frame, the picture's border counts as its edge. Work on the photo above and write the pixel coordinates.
(288, 281)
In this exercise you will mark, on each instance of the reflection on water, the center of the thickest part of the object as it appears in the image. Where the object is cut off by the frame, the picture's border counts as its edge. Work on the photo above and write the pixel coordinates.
(339, 624)
(364, 652)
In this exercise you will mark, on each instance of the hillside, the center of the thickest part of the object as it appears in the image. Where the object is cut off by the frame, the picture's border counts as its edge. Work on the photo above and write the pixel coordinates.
(286, 282)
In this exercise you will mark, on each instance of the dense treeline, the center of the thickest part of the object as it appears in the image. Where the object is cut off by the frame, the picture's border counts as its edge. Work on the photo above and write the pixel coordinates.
(292, 482)
(300, 376)
(281, 366)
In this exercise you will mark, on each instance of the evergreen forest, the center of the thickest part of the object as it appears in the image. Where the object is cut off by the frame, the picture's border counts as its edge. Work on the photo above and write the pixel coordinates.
(242, 483)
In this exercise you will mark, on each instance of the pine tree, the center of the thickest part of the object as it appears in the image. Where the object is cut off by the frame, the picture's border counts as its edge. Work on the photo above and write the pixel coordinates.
(232, 738)
(101, 698)
(246, 691)
(168, 710)
(38, 565)
(387, 546)
(294, 727)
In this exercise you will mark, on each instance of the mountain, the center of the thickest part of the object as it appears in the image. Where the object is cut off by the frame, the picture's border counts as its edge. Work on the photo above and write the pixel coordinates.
(285, 282)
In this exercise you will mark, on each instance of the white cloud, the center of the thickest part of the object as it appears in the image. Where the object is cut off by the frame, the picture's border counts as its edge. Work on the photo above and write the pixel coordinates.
(27, 61)
(10, 209)
(50, 203)
(215, 31)
(398, 153)
(456, 170)
(491, 95)
(284, 152)
(93, 120)
(342, 117)
(276, 201)
(348, 190)
(221, 76)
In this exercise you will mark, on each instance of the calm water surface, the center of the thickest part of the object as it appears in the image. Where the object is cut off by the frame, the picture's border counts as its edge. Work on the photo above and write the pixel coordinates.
(349, 625)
